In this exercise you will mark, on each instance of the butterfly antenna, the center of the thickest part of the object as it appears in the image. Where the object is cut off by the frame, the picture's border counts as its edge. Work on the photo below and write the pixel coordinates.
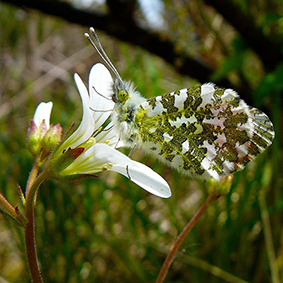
(99, 49)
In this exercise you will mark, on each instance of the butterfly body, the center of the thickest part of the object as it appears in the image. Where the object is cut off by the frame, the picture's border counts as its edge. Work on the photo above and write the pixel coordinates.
(127, 101)
(203, 132)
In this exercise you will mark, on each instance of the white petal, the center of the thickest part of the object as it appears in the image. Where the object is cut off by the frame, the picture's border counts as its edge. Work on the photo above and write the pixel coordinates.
(144, 177)
(86, 128)
(43, 112)
(137, 172)
(100, 90)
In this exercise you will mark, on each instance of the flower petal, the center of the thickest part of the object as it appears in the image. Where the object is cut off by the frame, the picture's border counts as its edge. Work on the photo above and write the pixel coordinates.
(43, 112)
(101, 156)
(100, 90)
(144, 177)
(86, 128)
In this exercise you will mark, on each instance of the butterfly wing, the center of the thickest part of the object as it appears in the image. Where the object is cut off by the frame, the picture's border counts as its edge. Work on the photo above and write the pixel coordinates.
(204, 131)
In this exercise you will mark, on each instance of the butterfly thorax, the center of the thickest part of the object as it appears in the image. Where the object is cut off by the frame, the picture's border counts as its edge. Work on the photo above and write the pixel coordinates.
(124, 116)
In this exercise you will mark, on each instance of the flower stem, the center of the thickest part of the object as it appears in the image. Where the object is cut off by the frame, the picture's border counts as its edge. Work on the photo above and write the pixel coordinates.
(32, 177)
(175, 246)
(31, 247)
(31, 191)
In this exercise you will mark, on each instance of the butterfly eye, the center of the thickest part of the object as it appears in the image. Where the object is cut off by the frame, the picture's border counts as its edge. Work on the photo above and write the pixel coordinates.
(114, 98)
(122, 96)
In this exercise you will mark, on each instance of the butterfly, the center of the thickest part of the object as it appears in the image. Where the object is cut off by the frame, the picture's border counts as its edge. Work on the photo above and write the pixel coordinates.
(204, 132)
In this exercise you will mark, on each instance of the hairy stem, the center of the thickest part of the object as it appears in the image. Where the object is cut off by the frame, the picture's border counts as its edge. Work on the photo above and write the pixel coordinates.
(175, 246)
(31, 246)
(32, 186)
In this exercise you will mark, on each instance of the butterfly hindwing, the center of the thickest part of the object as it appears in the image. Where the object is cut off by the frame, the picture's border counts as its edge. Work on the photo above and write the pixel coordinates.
(204, 131)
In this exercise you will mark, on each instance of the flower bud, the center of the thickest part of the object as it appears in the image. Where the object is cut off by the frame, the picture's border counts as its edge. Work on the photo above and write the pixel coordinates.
(221, 187)
(42, 137)
(51, 139)
(34, 138)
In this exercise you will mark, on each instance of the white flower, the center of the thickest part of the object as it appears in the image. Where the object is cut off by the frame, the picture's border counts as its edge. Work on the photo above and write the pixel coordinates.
(100, 143)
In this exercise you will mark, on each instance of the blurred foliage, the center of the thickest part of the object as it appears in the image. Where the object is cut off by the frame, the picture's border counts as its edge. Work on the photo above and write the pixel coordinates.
(108, 229)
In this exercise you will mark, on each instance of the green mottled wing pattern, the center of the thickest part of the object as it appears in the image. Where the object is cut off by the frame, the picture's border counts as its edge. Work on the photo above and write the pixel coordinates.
(204, 131)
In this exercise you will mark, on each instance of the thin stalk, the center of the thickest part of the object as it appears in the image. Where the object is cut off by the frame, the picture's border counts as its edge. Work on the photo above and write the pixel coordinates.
(32, 186)
(271, 255)
(32, 176)
(175, 246)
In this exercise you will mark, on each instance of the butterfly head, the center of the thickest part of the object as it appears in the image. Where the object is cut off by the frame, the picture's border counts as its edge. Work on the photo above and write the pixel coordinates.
(120, 94)
(123, 91)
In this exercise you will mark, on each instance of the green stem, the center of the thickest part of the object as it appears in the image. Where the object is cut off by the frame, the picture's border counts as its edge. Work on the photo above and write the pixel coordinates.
(175, 246)
(31, 191)
(32, 177)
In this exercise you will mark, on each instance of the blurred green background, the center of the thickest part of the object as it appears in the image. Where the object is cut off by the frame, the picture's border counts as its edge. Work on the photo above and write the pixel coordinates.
(108, 229)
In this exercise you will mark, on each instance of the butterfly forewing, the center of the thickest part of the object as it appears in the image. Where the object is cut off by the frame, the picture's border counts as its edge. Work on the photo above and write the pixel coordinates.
(204, 131)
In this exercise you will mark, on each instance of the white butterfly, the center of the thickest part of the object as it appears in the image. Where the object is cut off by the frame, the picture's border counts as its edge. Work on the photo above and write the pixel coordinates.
(204, 132)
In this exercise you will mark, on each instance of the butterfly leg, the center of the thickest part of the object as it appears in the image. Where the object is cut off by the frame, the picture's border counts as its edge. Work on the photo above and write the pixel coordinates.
(128, 173)
(132, 150)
